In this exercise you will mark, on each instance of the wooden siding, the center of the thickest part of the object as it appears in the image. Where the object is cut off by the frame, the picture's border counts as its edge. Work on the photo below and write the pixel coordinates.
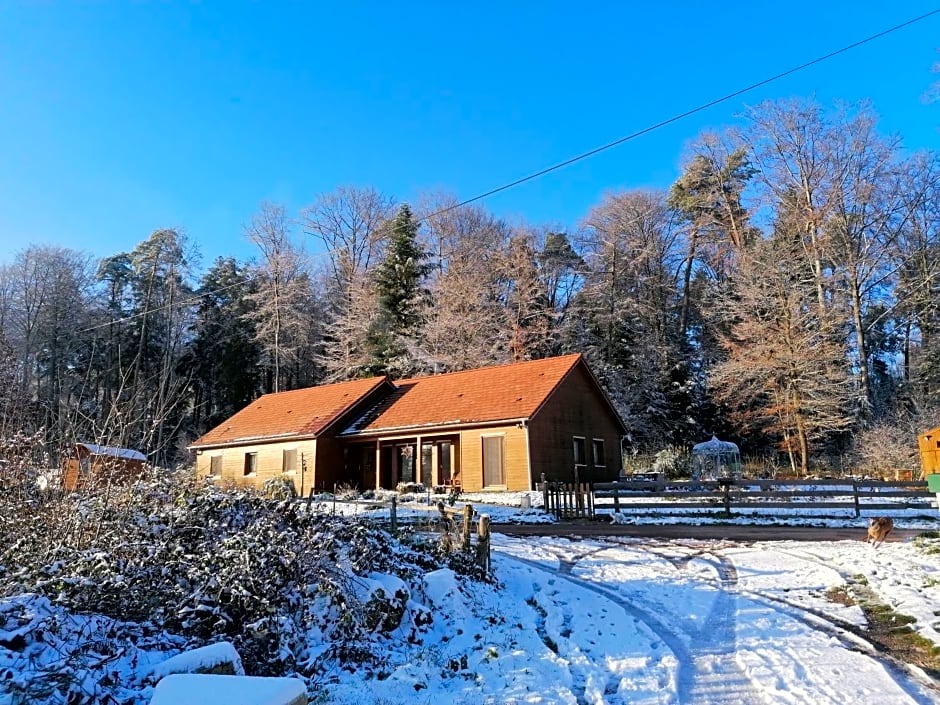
(576, 408)
(270, 462)
(515, 457)
(929, 443)
(100, 469)
(330, 465)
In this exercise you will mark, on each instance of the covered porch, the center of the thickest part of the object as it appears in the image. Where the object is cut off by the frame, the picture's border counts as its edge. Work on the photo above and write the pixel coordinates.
(387, 462)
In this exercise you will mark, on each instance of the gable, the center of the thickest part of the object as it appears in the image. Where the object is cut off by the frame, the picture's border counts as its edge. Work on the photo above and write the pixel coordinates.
(297, 413)
(582, 382)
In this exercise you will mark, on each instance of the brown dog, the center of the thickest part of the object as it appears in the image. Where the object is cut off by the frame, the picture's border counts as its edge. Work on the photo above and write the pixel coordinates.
(878, 530)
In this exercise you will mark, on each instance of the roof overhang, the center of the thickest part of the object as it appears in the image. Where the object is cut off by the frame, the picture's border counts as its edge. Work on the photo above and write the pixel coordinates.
(254, 440)
(432, 428)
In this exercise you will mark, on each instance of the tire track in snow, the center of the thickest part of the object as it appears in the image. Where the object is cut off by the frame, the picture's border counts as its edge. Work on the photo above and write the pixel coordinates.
(920, 688)
(702, 671)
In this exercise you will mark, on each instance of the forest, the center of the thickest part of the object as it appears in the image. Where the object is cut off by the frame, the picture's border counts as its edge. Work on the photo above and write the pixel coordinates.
(783, 293)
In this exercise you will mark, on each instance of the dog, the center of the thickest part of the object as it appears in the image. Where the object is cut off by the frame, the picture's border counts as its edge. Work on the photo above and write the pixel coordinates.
(878, 530)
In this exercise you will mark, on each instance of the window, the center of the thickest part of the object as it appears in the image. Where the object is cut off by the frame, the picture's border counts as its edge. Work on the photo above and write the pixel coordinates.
(289, 460)
(493, 475)
(579, 451)
(251, 463)
(215, 465)
(597, 450)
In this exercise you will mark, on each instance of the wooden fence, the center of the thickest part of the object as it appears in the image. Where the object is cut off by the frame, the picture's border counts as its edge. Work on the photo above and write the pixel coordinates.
(773, 497)
(567, 500)
(459, 539)
(456, 525)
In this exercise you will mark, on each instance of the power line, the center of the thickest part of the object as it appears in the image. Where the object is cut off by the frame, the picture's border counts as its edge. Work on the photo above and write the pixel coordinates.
(693, 111)
(583, 155)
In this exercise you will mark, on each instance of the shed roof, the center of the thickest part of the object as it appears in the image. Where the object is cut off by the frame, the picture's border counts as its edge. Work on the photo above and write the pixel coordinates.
(111, 451)
(300, 412)
(488, 394)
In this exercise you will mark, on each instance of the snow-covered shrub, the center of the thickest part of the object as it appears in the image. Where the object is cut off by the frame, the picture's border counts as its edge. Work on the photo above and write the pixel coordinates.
(673, 461)
(279, 488)
(208, 564)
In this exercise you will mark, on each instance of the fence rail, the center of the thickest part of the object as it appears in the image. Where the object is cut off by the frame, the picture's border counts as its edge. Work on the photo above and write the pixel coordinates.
(730, 495)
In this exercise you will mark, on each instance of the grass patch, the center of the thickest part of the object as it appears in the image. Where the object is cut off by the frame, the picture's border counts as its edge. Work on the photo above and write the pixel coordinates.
(891, 633)
(928, 542)
(841, 596)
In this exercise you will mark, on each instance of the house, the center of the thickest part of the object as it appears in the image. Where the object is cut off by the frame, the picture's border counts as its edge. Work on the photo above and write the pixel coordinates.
(90, 463)
(929, 443)
(499, 427)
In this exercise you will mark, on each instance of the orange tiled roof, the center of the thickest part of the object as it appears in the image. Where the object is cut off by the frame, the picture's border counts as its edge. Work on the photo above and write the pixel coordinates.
(301, 412)
(513, 391)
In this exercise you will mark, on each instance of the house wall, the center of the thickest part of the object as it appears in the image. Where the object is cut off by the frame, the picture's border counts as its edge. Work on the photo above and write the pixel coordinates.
(515, 454)
(576, 408)
(270, 463)
(330, 465)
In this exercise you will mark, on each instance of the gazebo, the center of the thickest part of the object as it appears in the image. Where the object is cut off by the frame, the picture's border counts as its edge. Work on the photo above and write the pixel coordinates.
(716, 459)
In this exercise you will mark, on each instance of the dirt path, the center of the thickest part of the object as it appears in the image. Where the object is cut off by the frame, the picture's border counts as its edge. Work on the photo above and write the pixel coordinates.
(728, 532)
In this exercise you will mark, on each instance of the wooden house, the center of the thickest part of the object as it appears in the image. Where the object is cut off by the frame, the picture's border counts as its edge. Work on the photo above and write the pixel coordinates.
(497, 428)
(929, 444)
(87, 463)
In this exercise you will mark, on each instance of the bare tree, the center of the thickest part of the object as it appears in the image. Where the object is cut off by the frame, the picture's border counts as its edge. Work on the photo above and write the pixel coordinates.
(624, 316)
(786, 372)
(282, 296)
(464, 326)
(350, 222)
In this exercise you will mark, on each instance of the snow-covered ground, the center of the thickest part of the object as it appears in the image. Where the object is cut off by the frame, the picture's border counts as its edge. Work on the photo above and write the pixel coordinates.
(649, 621)
(621, 620)
(599, 620)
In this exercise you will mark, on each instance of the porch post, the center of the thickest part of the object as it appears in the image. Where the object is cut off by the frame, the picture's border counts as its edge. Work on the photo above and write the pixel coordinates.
(419, 461)
(378, 464)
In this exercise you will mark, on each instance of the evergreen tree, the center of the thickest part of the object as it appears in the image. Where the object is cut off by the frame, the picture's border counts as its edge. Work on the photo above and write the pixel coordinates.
(393, 336)
(224, 355)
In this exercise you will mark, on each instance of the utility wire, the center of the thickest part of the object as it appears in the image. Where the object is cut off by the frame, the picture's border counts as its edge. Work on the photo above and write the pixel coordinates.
(583, 155)
(693, 111)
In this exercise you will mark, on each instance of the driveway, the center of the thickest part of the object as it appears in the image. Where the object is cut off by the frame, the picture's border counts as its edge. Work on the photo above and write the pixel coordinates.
(728, 532)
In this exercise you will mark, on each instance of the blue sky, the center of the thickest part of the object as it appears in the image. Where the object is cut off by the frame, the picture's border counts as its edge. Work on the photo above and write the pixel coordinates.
(117, 118)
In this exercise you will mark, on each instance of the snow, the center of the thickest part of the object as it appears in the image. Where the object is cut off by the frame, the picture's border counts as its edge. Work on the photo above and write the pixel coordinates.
(663, 621)
(204, 658)
(580, 621)
(113, 452)
(191, 689)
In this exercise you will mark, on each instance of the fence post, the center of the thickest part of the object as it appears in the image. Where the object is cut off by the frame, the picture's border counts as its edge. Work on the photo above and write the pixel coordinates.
(334, 499)
(467, 523)
(727, 498)
(545, 506)
(858, 509)
(394, 512)
(578, 500)
(483, 543)
(616, 497)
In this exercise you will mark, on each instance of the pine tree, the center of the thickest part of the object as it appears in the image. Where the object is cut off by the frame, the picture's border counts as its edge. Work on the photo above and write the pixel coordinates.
(399, 279)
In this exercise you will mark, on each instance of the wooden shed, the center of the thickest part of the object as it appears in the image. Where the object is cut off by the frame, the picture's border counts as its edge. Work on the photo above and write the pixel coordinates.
(498, 428)
(88, 463)
(929, 443)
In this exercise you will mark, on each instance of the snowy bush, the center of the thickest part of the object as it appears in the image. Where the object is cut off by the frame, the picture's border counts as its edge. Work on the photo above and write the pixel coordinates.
(673, 461)
(296, 592)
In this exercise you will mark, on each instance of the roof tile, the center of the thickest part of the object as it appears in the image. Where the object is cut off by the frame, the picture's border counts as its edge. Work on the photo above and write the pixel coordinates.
(300, 412)
(487, 394)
